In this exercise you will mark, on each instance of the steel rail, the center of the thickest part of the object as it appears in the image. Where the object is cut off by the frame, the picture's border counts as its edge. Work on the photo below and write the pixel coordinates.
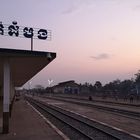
(101, 101)
(121, 112)
(118, 136)
(78, 128)
(85, 136)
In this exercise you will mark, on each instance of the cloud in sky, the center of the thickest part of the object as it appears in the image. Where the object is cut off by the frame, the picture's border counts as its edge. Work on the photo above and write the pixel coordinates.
(137, 7)
(75, 5)
(101, 56)
(70, 9)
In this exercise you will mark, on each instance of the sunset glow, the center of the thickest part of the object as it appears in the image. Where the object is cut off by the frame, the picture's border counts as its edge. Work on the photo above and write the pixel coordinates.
(94, 40)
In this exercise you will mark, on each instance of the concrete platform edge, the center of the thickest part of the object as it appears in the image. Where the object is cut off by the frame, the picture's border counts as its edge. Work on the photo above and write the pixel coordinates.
(48, 122)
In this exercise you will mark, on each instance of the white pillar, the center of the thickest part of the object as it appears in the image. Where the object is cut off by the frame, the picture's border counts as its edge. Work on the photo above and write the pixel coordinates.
(6, 95)
(12, 95)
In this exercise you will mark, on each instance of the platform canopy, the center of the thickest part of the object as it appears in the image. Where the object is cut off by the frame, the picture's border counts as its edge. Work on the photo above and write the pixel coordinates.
(24, 64)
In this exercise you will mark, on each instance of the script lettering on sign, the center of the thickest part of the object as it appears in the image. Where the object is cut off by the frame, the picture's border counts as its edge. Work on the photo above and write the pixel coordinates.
(27, 32)
(13, 29)
(1, 28)
(42, 34)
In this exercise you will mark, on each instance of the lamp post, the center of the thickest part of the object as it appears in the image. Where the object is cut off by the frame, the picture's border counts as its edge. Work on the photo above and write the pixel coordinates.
(50, 81)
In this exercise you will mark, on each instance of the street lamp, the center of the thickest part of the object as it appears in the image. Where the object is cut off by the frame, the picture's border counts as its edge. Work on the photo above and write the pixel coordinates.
(50, 81)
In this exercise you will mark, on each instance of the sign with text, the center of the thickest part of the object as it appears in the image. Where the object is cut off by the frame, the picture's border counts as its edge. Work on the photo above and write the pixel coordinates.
(27, 32)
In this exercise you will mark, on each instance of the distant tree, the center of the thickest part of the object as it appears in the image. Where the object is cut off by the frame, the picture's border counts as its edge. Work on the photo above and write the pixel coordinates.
(137, 83)
(39, 87)
(126, 86)
(112, 87)
(137, 79)
(91, 88)
(98, 85)
(86, 84)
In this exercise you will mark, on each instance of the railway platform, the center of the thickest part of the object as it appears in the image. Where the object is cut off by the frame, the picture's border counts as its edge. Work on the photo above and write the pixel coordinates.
(27, 124)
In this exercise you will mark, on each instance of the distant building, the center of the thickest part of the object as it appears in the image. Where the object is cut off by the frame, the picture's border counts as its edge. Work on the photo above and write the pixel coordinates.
(66, 87)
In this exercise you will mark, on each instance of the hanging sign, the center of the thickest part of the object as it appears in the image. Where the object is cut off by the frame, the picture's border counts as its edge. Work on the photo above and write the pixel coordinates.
(27, 32)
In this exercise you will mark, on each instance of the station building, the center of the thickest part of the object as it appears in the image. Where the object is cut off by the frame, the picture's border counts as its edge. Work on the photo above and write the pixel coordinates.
(70, 87)
(66, 87)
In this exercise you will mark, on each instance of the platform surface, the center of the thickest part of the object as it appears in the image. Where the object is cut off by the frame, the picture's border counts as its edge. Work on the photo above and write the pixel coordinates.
(26, 124)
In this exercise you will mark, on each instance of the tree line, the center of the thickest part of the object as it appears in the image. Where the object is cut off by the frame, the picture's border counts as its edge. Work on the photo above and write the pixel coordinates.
(116, 88)
(128, 88)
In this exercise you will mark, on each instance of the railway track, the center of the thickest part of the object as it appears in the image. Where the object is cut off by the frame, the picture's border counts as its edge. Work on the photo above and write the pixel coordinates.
(121, 112)
(76, 126)
(103, 101)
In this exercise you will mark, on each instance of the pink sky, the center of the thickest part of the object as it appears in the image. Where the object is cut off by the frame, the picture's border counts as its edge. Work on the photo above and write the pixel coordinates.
(94, 40)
